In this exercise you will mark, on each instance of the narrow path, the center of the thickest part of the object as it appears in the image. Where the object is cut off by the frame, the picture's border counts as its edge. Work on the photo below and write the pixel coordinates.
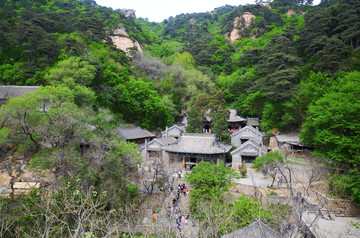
(188, 229)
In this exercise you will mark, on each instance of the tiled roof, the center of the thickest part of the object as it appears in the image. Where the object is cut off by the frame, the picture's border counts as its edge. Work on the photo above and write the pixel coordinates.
(252, 121)
(257, 229)
(134, 133)
(234, 117)
(250, 142)
(166, 140)
(15, 91)
(198, 144)
(251, 128)
(172, 131)
(288, 138)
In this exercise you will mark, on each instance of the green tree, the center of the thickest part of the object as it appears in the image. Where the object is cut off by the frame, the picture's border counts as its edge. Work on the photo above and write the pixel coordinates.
(332, 127)
(332, 124)
(194, 124)
(220, 126)
(210, 180)
(139, 102)
(216, 102)
(77, 75)
(245, 211)
(269, 163)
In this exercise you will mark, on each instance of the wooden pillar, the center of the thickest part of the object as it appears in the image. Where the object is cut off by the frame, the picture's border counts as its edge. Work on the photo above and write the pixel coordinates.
(183, 162)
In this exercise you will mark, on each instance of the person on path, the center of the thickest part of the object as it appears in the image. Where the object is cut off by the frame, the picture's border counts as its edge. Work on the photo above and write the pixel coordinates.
(184, 191)
(278, 181)
(281, 180)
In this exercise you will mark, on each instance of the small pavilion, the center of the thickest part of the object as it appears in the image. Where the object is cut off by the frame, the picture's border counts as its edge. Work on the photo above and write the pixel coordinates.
(235, 122)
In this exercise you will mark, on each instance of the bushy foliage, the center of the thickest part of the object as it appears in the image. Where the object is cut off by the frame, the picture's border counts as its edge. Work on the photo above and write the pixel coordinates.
(210, 180)
(242, 169)
(270, 159)
(74, 142)
(69, 210)
(333, 127)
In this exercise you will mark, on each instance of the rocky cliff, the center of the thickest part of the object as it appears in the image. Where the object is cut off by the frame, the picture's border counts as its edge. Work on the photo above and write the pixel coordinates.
(240, 24)
(123, 42)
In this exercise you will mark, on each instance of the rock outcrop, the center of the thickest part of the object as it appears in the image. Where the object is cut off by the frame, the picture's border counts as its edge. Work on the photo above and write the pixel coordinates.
(123, 42)
(266, 4)
(240, 24)
(130, 14)
(292, 11)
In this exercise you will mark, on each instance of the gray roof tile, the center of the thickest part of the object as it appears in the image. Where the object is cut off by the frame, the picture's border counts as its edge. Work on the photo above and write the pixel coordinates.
(15, 91)
(257, 229)
(198, 144)
(134, 133)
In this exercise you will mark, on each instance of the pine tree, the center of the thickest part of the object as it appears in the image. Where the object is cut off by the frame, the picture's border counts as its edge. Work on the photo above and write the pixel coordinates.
(220, 126)
(194, 125)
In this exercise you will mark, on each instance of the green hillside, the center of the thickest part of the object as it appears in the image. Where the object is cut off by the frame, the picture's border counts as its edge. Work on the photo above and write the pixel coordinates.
(294, 66)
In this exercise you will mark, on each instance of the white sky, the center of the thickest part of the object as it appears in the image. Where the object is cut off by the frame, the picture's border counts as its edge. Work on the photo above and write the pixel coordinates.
(158, 10)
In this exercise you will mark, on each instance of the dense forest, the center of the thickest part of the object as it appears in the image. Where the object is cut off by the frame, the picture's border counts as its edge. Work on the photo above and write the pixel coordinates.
(293, 65)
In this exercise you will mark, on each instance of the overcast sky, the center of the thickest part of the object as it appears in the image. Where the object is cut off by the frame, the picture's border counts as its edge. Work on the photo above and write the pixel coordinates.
(158, 10)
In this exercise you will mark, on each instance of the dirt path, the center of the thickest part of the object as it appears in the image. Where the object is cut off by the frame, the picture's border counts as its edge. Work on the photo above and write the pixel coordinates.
(189, 229)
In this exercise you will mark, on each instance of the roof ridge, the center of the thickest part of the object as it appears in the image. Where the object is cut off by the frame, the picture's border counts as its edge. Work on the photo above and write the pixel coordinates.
(199, 134)
(130, 128)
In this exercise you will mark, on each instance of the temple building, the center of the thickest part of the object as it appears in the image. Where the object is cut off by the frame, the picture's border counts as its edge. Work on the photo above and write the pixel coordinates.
(135, 135)
(155, 148)
(7, 92)
(244, 134)
(235, 122)
(192, 148)
(174, 131)
(247, 152)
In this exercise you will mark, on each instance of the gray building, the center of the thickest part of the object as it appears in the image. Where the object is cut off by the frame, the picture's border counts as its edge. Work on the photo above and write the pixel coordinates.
(244, 134)
(136, 135)
(247, 152)
(192, 148)
(174, 131)
(7, 92)
(155, 148)
(235, 122)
